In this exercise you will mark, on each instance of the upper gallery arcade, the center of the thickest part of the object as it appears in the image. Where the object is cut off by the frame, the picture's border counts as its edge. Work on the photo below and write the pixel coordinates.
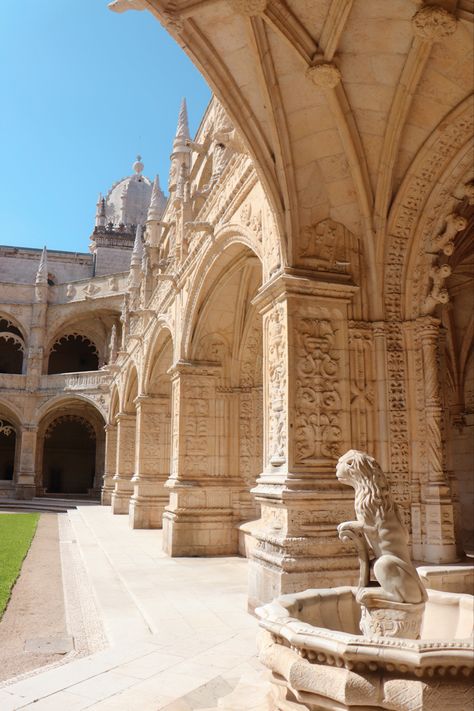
(306, 288)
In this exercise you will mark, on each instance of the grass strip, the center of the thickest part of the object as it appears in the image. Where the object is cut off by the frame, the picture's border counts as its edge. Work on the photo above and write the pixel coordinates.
(16, 534)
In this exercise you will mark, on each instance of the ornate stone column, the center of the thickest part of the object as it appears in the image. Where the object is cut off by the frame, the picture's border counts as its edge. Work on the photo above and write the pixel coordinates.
(436, 499)
(25, 481)
(306, 428)
(152, 462)
(110, 465)
(123, 490)
(198, 519)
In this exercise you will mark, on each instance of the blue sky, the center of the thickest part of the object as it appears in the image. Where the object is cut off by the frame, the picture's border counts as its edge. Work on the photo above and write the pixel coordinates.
(83, 91)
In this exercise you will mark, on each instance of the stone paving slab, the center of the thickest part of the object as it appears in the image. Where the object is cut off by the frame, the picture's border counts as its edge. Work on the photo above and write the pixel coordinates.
(178, 628)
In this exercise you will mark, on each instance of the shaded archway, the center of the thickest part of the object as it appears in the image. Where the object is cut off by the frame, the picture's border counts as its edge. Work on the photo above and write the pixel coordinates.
(70, 458)
(126, 437)
(12, 347)
(217, 417)
(153, 445)
(72, 354)
(7, 450)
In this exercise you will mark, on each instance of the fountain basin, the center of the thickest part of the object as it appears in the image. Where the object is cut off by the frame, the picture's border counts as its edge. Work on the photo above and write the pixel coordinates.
(312, 643)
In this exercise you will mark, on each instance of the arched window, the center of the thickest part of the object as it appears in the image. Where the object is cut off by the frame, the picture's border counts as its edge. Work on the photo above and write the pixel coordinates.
(12, 347)
(73, 353)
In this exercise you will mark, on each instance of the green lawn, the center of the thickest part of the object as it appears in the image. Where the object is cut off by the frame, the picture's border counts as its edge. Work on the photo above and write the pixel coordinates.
(16, 534)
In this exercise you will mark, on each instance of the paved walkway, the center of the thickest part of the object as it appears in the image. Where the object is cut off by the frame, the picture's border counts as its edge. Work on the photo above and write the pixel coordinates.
(178, 628)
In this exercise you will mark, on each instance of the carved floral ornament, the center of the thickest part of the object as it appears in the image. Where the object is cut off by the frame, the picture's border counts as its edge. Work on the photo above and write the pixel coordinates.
(6, 429)
(433, 23)
(70, 418)
(324, 74)
(318, 426)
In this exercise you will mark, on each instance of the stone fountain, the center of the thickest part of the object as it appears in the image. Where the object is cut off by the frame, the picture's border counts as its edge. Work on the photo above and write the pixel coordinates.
(387, 644)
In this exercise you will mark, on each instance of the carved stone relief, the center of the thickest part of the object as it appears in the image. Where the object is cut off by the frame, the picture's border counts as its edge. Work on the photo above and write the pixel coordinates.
(318, 398)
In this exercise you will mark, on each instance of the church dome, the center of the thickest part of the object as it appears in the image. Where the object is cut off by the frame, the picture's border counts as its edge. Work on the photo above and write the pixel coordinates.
(128, 200)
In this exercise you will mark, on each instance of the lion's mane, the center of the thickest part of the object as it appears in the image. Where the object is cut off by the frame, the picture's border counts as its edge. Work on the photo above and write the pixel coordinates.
(373, 501)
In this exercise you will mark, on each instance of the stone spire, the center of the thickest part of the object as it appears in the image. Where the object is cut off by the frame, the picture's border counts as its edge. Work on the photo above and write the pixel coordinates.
(182, 130)
(137, 253)
(181, 149)
(42, 273)
(100, 217)
(157, 202)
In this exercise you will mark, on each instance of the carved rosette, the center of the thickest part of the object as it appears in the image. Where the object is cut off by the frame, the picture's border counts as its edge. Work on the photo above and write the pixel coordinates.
(324, 74)
(318, 400)
(433, 23)
(276, 333)
(248, 8)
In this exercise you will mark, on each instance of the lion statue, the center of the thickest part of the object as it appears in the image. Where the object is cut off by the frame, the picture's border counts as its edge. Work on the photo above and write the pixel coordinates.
(378, 529)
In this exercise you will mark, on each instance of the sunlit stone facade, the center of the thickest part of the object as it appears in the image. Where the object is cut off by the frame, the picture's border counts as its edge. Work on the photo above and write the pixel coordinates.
(307, 288)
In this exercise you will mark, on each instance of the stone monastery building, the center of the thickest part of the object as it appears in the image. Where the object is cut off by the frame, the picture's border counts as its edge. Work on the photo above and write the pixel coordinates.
(307, 287)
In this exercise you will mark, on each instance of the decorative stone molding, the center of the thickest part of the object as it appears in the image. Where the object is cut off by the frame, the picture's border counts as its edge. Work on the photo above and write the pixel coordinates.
(469, 191)
(433, 23)
(445, 241)
(438, 294)
(249, 8)
(324, 74)
(172, 19)
(328, 247)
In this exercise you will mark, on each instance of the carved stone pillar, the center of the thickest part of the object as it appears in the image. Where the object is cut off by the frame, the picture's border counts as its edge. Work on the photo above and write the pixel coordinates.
(110, 465)
(436, 499)
(25, 481)
(306, 428)
(152, 462)
(125, 463)
(198, 519)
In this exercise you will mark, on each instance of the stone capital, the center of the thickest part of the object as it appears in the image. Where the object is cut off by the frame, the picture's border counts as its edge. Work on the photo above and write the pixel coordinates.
(300, 282)
(433, 23)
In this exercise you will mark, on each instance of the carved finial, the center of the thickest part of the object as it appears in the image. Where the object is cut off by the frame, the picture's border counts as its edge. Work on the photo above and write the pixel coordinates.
(138, 165)
(433, 23)
(137, 253)
(182, 130)
(100, 217)
(324, 74)
(113, 344)
(42, 273)
(157, 202)
(249, 8)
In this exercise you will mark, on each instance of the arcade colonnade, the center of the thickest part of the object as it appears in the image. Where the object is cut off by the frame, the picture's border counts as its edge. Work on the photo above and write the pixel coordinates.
(340, 154)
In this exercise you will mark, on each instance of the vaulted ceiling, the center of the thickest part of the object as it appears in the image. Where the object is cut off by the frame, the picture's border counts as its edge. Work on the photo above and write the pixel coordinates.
(335, 98)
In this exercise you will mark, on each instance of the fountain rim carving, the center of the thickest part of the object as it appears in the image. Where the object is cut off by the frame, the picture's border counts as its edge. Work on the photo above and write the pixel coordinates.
(321, 645)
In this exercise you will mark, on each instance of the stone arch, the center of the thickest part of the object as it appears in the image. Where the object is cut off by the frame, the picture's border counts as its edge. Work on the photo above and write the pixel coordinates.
(225, 329)
(70, 448)
(229, 237)
(435, 161)
(161, 341)
(130, 389)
